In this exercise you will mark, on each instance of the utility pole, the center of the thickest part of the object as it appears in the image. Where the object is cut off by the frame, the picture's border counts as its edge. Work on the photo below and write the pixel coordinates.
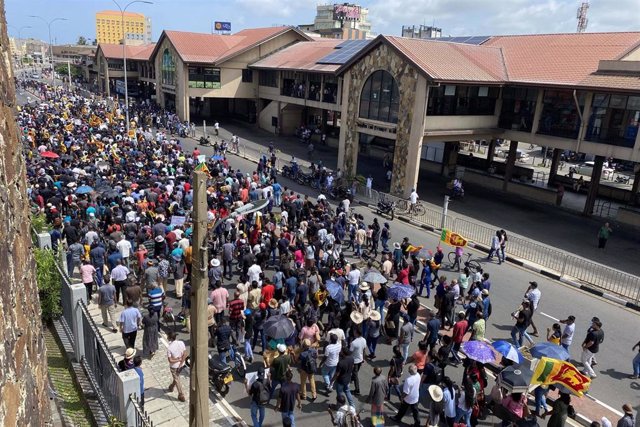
(445, 210)
(69, 72)
(199, 384)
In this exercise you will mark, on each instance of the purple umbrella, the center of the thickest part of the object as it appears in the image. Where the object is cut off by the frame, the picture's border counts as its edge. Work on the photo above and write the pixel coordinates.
(479, 351)
(399, 291)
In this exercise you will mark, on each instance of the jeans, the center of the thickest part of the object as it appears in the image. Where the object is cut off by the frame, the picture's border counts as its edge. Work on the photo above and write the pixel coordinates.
(327, 374)
(462, 413)
(344, 389)
(290, 416)
(405, 350)
(263, 339)
(565, 346)
(358, 249)
(379, 305)
(454, 351)
(248, 352)
(227, 270)
(385, 245)
(396, 388)
(372, 343)
(354, 377)
(541, 400)
(274, 384)
(353, 291)
(636, 365)
(501, 254)
(522, 332)
(257, 410)
(100, 274)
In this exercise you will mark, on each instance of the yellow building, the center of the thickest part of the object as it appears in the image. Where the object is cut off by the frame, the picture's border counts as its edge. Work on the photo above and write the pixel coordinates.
(137, 27)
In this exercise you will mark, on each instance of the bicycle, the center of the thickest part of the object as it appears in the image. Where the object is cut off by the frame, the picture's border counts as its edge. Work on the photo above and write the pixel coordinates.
(407, 208)
(473, 265)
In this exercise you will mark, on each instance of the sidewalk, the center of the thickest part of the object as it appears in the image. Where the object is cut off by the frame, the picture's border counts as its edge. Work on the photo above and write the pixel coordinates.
(561, 228)
(163, 408)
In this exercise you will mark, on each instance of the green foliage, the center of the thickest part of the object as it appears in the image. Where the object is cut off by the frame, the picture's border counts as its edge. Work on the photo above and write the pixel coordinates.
(81, 41)
(39, 223)
(62, 70)
(49, 284)
(115, 422)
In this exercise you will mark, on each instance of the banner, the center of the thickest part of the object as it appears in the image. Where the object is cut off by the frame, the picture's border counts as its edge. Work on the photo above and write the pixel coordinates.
(553, 371)
(177, 220)
(452, 239)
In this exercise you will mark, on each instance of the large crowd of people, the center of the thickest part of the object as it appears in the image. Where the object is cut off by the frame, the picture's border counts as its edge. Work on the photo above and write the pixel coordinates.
(119, 206)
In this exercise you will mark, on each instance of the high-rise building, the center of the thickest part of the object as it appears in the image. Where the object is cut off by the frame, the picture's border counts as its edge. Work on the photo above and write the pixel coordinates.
(421, 32)
(137, 27)
(341, 21)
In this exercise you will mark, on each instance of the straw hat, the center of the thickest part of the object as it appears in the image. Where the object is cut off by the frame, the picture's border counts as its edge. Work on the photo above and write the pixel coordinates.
(129, 353)
(273, 303)
(396, 245)
(375, 315)
(215, 262)
(435, 392)
(364, 286)
(356, 317)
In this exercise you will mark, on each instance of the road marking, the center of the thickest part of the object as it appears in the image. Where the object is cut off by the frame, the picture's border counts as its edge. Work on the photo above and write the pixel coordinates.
(550, 317)
(601, 403)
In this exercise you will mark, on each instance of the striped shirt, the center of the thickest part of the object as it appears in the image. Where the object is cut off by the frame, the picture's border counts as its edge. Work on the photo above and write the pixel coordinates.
(236, 307)
(156, 295)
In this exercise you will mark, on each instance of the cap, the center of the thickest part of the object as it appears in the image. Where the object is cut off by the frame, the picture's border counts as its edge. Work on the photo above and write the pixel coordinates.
(485, 292)
(281, 348)
(247, 312)
(262, 306)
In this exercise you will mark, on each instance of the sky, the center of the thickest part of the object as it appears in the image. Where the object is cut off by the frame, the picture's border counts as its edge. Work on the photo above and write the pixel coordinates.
(455, 17)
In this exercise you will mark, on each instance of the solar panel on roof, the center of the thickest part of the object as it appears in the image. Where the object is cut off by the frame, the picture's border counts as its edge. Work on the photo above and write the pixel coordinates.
(344, 52)
(476, 40)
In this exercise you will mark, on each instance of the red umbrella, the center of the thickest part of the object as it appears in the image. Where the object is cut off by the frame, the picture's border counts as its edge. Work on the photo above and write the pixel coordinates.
(49, 155)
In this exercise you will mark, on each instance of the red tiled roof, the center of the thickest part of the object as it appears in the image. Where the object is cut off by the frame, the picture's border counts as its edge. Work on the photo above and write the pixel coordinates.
(216, 48)
(301, 56)
(453, 61)
(612, 81)
(559, 59)
(114, 51)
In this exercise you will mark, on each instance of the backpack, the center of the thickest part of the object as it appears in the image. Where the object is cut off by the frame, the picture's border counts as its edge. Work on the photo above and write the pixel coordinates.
(308, 362)
(264, 393)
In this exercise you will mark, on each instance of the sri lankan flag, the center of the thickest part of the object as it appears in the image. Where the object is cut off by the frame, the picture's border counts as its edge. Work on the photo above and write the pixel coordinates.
(411, 249)
(452, 239)
(202, 167)
(553, 371)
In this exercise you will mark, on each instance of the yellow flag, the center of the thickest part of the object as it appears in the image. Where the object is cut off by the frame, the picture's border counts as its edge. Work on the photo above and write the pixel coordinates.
(553, 371)
(452, 239)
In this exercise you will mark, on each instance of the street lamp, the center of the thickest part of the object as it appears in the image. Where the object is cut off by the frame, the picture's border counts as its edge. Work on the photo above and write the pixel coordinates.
(24, 27)
(124, 55)
(53, 74)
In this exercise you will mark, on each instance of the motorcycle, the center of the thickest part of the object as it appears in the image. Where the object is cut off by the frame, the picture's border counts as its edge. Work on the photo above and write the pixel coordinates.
(622, 179)
(306, 179)
(287, 172)
(340, 193)
(220, 375)
(457, 193)
(387, 208)
(204, 141)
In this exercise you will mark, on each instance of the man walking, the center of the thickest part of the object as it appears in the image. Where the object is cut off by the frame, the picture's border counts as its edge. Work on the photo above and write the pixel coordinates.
(377, 394)
(357, 351)
(176, 354)
(590, 347)
(130, 321)
(107, 304)
(533, 294)
(603, 235)
(568, 332)
(343, 374)
(523, 317)
(289, 395)
(410, 396)
(406, 336)
(119, 276)
(259, 392)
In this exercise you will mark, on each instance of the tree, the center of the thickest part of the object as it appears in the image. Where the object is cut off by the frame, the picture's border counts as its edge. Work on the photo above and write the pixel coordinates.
(82, 41)
(95, 42)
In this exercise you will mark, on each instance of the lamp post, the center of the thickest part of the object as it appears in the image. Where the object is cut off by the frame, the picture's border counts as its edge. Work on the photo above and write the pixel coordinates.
(24, 27)
(124, 55)
(53, 74)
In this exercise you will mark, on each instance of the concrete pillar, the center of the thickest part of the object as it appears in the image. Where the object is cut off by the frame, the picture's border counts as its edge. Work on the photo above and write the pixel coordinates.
(555, 162)
(128, 384)
(537, 112)
(592, 194)
(636, 186)
(78, 293)
(450, 158)
(490, 152)
(511, 161)
(586, 114)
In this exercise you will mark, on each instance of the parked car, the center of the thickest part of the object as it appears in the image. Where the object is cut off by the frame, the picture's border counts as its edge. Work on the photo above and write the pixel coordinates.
(586, 169)
(520, 155)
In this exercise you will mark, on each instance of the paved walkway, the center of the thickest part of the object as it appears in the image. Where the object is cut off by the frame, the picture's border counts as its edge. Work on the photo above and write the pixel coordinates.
(562, 228)
(163, 408)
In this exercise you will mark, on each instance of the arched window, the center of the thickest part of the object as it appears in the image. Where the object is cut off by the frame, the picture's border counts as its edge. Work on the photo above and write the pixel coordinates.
(168, 68)
(379, 99)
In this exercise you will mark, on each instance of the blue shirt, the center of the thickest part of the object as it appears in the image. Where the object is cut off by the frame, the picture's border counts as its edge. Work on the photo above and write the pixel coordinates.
(129, 319)
(291, 284)
(155, 298)
(138, 369)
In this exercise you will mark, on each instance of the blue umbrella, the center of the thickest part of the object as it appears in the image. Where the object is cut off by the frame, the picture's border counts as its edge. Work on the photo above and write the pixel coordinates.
(217, 157)
(479, 351)
(399, 291)
(84, 189)
(507, 349)
(550, 350)
(335, 291)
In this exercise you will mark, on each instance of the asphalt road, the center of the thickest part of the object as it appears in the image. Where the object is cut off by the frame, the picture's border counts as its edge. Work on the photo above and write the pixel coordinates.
(508, 285)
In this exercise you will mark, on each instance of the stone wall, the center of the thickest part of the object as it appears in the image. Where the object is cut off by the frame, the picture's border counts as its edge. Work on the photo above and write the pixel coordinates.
(23, 365)
(385, 58)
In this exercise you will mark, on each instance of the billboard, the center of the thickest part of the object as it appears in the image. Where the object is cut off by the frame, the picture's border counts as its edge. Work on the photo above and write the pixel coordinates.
(222, 26)
(346, 12)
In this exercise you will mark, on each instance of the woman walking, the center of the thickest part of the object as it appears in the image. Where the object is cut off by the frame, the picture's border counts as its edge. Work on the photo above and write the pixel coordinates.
(150, 334)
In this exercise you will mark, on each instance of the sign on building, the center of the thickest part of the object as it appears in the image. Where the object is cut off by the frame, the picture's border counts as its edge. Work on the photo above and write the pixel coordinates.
(222, 26)
(346, 12)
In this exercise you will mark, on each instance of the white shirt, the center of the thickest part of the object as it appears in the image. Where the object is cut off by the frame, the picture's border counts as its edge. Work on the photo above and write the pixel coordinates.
(337, 332)
(411, 388)
(332, 352)
(534, 296)
(341, 414)
(124, 246)
(175, 349)
(254, 272)
(357, 349)
(414, 197)
(569, 330)
(353, 277)
(369, 182)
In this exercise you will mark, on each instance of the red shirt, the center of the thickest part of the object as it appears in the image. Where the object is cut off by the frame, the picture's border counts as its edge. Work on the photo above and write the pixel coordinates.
(459, 330)
(236, 307)
(403, 276)
(267, 293)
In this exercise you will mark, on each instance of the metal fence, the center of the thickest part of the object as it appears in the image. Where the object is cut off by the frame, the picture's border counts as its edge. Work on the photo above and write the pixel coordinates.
(608, 279)
(141, 417)
(100, 365)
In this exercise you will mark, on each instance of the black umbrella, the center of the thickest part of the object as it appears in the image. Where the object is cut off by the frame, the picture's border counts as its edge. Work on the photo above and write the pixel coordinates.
(516, 378)
(278, 327)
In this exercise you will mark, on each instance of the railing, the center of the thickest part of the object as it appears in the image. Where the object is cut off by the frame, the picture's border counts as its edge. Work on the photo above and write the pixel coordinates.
(141, 417)
(608, 279)
(100, 366)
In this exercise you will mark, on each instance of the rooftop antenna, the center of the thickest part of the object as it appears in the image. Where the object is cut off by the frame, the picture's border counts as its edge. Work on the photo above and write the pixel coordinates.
(582, 17)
